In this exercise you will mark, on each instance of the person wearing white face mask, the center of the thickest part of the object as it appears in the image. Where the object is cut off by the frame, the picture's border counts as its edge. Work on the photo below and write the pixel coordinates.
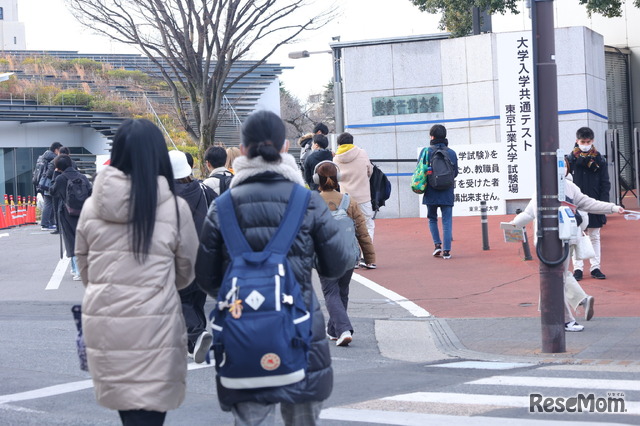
(591, 175)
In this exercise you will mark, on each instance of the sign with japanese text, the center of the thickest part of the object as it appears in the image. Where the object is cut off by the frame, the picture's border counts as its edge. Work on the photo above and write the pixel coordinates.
(516, 103)
(410, 104)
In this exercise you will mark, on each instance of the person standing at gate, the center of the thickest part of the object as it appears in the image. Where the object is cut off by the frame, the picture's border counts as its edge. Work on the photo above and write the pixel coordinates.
(590, 174)
(43, 179)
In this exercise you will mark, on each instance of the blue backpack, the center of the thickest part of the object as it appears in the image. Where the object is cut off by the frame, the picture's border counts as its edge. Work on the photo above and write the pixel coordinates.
(261, 326)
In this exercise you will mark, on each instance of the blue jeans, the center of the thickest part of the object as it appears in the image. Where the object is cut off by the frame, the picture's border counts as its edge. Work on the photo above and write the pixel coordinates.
(74, 266)
(432, 214)
(48, 218)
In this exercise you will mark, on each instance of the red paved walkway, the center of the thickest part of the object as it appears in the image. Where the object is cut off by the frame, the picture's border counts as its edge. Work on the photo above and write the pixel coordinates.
(496, 283)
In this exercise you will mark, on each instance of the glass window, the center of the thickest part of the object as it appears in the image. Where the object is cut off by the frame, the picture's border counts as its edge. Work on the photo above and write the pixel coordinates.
(1, 13)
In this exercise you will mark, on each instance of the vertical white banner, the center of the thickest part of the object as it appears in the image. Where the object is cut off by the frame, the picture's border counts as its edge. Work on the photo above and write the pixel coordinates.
(517, 125)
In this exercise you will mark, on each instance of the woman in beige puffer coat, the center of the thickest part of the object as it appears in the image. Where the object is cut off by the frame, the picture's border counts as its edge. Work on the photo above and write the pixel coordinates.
(136, 245)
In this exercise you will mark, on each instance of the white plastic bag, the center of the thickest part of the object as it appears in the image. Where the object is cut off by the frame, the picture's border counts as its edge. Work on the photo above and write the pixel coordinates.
(584, 248)
(40, 201)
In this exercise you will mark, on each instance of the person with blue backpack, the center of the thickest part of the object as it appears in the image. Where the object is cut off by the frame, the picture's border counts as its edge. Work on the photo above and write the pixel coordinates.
(259, 243)
(326, 175)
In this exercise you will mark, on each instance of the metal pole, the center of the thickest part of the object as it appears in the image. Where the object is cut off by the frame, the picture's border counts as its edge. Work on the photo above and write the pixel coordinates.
(549, 245)
(485, 225)
(337, 89)
(636, 162)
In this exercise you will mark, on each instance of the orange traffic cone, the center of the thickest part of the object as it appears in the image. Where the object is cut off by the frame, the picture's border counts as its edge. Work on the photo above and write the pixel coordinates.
(31, 210)
(3, 223)
(20, 216)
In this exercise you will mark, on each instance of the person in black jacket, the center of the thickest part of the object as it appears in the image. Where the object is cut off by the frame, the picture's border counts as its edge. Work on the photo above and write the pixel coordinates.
(198, 196)
(67, 222)
(591, 175)
(260, 190)
(319, 153)
(47, 221)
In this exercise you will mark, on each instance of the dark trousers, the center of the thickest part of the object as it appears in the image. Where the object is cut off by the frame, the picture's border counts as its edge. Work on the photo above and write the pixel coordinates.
(193, 300)
(142, 418)
(48, 215)
(336, 298)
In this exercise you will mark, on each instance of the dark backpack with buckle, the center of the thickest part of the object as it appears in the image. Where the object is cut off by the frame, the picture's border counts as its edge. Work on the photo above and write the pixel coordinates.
(261, 325)
(78, 190)
(443, 172)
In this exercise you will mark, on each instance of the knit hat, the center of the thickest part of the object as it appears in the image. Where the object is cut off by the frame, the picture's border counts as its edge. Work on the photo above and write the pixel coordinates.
(179, 164)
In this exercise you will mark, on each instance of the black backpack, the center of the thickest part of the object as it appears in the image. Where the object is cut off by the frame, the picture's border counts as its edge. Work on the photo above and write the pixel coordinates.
(78, 190)
(39, 170)
(225, 181)
(443, 172)
(380, 188)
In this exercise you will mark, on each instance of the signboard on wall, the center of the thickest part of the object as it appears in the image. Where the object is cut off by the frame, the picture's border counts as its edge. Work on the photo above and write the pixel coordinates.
(480, 178)
(516, 100)
(410, 104)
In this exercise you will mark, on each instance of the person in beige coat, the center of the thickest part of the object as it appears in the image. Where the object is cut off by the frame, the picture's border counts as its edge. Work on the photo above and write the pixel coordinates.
(355, 169)
(574, 295)
(136, 246)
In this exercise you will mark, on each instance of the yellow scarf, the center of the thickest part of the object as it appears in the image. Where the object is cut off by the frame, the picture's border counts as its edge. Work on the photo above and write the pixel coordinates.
(344, 148)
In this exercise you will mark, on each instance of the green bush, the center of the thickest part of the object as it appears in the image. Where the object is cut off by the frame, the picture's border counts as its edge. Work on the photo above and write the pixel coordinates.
(72, 97)
(137, 76)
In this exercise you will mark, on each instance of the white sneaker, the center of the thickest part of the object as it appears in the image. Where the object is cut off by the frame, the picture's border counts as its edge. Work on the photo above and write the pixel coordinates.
(344, 339)
(573, 326)
(202, 346)
(77, 278)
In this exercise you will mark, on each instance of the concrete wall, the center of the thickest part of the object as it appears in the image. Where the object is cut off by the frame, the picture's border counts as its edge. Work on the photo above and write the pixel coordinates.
(465, 71)
(15, 135)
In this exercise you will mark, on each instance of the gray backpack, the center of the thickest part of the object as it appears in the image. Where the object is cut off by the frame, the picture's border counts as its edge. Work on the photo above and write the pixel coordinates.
(348, 226)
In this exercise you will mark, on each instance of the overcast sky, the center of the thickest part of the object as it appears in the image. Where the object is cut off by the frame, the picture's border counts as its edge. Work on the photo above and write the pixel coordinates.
(50, 26)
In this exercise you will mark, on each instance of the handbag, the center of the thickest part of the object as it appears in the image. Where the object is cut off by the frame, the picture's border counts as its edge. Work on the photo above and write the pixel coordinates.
(81, 348)
(419, 178)
(584, 248)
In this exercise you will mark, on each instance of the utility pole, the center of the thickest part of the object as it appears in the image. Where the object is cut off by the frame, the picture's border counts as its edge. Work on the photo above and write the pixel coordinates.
(549, 247)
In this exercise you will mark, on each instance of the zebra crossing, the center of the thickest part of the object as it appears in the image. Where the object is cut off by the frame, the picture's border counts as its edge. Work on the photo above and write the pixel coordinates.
(504, 399)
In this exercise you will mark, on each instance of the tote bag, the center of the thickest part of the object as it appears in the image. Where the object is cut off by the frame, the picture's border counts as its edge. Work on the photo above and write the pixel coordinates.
(419, 178)
(584, 248)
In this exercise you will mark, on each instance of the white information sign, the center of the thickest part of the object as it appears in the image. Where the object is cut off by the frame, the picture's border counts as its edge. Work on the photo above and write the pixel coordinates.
(516, 103)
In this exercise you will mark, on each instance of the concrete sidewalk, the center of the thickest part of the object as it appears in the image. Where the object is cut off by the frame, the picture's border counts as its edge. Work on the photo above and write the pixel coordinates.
(485, 303)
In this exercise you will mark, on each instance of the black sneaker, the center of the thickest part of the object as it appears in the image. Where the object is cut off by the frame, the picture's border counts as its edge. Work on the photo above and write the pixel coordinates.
(446, 254)
(438, 250)
(577, 274)
(597, 274)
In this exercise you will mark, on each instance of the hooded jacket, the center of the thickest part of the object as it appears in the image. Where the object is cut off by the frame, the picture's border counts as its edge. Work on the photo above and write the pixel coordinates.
(355, 170)
(260, 193)
(131, 314)
(444, 197)
(68, 223)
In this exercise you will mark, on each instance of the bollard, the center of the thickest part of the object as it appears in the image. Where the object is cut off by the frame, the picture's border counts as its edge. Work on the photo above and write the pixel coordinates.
(485, 225)
(525, 243)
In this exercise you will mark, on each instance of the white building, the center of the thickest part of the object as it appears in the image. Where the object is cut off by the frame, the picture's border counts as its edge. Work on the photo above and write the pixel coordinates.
(11, 30)
(470, 84)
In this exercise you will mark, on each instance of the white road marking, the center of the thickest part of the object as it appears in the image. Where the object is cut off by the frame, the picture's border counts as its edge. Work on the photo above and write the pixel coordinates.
(67, 388)
(6, 234)
(419, 419)
(483, 399)
(58, 273)
(560, 382)
(413, 309)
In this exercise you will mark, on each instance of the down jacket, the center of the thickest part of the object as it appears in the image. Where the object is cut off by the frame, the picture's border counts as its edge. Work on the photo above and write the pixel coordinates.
(355, 171)
(260, 193)
(131, 314)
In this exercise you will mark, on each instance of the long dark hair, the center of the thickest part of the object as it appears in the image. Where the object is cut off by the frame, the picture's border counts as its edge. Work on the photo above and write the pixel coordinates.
(263, 135)
(140, 151)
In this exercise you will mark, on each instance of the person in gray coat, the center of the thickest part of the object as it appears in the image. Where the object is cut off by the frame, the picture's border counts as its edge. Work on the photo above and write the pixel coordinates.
(260, 190)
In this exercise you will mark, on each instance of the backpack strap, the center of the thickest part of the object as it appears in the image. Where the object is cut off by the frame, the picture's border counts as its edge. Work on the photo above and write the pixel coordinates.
(344, 203)
(233, 237)
(291, 221)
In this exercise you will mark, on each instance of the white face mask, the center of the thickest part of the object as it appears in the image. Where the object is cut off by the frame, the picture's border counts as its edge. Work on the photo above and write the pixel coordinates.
(585, 148)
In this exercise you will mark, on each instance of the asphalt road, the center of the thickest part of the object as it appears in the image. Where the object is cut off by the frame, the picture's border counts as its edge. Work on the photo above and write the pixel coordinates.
(392, 373)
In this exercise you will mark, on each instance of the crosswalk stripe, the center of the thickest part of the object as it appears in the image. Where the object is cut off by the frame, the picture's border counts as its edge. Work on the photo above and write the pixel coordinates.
(560, 382)
(482, 399)
(419, 419)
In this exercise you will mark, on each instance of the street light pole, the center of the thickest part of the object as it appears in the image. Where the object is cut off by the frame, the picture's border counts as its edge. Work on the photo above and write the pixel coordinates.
(549, 247)
(336, 53)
